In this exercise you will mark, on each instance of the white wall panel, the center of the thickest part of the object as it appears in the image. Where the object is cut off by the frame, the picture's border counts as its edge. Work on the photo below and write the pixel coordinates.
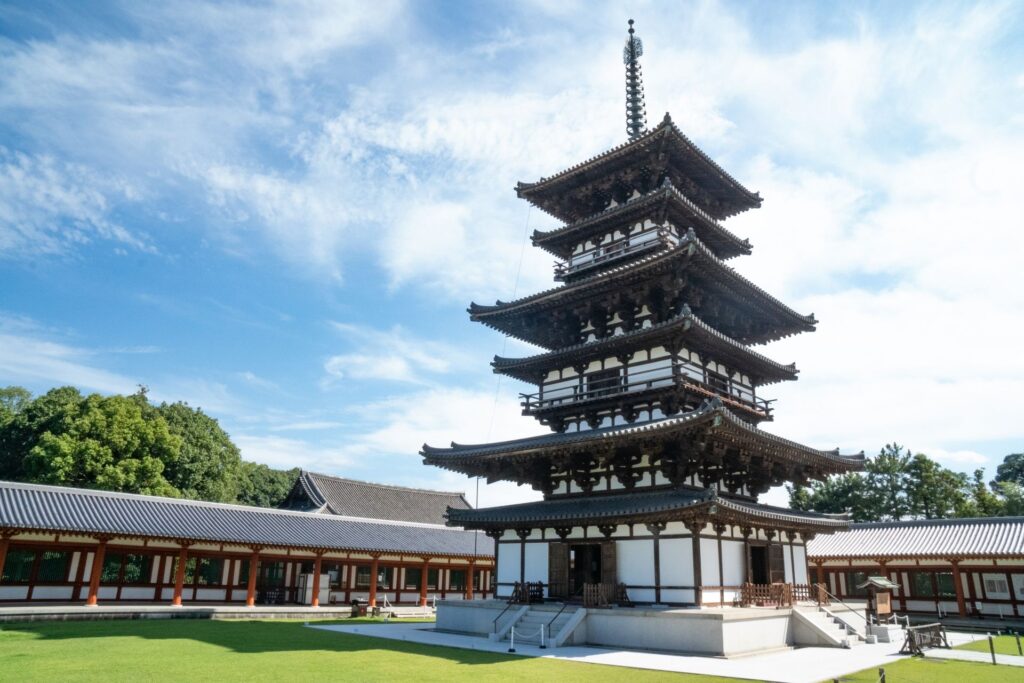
(635, 560)
(54, 593)
(800, 555)
(734, 563)
(709, 564)
(676, 563)
(537, 562)
(508, 564)
(787, 563)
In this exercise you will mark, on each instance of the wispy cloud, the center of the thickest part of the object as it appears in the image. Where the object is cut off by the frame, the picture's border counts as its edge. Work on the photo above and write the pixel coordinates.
(395, 356)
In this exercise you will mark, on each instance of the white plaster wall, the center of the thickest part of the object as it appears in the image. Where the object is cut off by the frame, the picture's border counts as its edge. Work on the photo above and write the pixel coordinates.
(676, 563)
(13, 592)
(107, 593)
(537, 562)
(787, 563)
(210, 594)
(635, 566)
(137, 593)
(997, 578)
(734, 563)
(800, 554)
(709, 567)
(54, 593)
(508, 565)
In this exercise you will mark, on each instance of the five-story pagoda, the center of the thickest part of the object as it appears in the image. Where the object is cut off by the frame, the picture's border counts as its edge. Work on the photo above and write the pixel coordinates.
(655, 461)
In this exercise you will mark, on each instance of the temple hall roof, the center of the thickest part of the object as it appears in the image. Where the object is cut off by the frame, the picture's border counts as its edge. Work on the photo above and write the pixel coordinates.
(690, 252)
(686, 325)
(340, 496)
(925, 538)
(666, 200)
(663, 142)
(638, 506)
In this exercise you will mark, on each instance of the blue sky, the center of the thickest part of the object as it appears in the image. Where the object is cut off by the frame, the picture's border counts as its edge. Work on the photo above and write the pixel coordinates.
(280, 212)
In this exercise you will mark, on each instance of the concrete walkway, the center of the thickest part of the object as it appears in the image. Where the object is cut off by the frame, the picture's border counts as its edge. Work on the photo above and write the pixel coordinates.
(804, 665)
(972, 656)
(78, 611)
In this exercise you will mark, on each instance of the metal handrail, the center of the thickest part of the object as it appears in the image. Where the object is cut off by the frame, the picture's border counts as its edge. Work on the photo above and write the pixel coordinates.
(564, 605)
(654, 378)
(508, 605)
(836, 599)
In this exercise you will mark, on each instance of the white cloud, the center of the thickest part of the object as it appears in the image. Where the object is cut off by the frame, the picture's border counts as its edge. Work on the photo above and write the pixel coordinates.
(395, 356)
(282, 453)
(50, 207)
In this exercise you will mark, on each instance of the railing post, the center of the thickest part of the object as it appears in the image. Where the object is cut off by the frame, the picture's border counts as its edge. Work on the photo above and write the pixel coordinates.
(512, 640)
(543, 627)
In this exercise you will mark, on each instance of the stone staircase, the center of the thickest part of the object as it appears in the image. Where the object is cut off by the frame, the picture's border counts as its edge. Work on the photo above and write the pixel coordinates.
(528, 626)
(832, 628)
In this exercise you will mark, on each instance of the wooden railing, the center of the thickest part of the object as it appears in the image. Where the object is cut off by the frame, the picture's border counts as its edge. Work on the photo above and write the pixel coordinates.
(527, 593)
(782, 594)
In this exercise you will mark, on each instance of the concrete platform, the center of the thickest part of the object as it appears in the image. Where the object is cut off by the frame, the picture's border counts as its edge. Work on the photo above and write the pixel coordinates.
(78, 611)
(802, 665)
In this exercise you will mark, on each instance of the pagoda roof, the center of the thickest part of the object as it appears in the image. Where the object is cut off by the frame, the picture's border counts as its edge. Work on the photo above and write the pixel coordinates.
(666, 199)
(679, 503)
(689, 249)
(712, 416)
(686, 325)
(663, 139)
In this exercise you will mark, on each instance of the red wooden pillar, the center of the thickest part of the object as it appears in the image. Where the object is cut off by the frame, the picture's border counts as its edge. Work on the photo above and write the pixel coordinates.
(423, 581)
(373, 582)
(97, 571)
(469, 581)
(315, 602)
(821, 573)
(179, 575)
(250, 594)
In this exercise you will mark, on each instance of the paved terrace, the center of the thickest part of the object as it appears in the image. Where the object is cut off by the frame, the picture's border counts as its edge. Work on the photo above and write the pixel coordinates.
(803, 665)
(80, 612)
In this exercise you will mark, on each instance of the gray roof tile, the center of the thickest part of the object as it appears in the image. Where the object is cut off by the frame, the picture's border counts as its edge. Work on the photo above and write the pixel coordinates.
(975, 537)
(60, 509)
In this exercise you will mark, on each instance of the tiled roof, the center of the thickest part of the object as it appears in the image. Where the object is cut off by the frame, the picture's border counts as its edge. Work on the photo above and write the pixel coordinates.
(686, 322)
(335, 495)
(712, 412)
(946, 538)
(70, 510)
(560, 241)
(621, 507)
(664, 131)
(689, 247)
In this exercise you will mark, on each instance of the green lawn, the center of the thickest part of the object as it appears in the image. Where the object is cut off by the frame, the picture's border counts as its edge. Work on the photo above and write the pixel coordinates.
(189, 650)
(1005, 645)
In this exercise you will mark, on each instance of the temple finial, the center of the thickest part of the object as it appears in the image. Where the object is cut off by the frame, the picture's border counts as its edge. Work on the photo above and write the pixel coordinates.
(636, 115)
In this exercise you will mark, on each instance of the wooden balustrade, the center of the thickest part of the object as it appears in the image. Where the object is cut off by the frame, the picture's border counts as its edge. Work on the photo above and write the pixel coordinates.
(782, 594)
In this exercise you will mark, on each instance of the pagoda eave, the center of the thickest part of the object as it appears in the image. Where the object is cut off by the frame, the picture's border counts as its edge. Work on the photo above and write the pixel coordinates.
(664, 203)
(685, 504)
(665, 146)
(683, 329)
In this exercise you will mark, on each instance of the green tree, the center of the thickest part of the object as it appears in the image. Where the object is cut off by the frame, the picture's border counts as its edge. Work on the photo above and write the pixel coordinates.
(262, 486)
(21, 430)
(836, 495)
(104, 442)
(1012, 495)
(1011, 469)
(207, 466)
(981, 501)
(12, 401)
(887, 484)
(934, 492)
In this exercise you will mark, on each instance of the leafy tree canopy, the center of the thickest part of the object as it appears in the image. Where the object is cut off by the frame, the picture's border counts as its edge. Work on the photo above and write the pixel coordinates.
(1011, 469)
(125, 443)
(898, 485)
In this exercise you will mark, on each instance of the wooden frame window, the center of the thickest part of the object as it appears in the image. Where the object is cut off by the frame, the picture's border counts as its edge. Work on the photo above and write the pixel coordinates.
(363, 573)
(413, 578)
(243, 573)
(457, 579)
(854, 579)
(432, 577)
(922, 584)
(53, 566)
(209, 571)
(946, 585)
(18, 567)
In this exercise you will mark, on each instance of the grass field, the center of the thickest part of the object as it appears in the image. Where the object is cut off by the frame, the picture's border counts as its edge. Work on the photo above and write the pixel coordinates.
(192, 650)
(1005, 645)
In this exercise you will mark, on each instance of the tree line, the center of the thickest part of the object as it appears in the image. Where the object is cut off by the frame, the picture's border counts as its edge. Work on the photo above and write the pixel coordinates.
(897, 484)
(126, 443)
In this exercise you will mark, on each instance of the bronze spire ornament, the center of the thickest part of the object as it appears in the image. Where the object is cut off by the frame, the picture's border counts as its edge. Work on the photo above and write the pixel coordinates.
(636, 116)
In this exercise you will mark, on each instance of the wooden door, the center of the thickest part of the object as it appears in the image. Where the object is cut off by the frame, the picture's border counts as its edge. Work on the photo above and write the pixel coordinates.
(558, 570)
(776, 563)
(609, 573)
